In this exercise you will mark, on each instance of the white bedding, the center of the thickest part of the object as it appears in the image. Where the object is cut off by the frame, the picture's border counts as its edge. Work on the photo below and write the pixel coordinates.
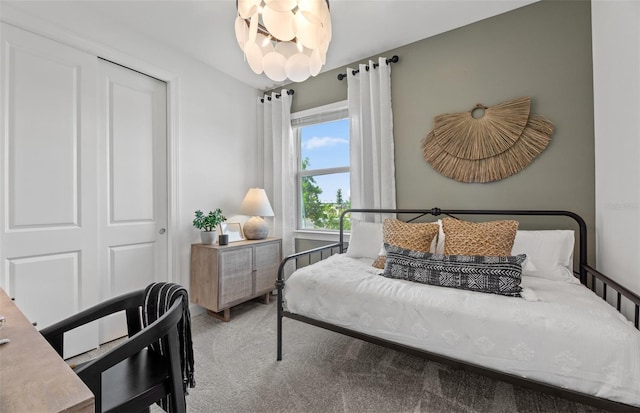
(569, 337)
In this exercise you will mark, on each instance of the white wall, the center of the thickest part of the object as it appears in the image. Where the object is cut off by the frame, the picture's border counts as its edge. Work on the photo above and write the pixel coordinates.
(616, 76)
(214, 129)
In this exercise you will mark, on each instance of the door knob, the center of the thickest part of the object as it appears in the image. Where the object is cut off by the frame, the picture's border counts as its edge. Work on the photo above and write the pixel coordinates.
(162, 231)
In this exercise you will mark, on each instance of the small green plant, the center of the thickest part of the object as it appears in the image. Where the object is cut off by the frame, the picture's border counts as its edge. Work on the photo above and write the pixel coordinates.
(210, 221)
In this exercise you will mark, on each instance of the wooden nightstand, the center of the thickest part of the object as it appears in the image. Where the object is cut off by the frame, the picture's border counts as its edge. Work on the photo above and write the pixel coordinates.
(226, 275)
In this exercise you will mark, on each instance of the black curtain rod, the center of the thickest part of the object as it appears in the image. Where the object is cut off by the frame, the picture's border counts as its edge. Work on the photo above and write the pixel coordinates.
(394, 59)
(289, 92)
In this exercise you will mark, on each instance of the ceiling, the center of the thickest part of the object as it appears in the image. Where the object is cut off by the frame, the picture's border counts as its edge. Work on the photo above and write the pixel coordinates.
(204, 30)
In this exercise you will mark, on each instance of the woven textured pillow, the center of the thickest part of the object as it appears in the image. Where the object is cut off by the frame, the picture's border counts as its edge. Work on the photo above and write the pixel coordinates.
(496, 275)
(494, 238)
(412, 236)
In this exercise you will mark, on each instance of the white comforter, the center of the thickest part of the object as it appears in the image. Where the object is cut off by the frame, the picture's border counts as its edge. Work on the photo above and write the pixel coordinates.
(569, 337)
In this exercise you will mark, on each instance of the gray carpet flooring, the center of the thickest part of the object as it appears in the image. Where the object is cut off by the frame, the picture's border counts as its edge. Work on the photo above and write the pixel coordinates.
(321, 371)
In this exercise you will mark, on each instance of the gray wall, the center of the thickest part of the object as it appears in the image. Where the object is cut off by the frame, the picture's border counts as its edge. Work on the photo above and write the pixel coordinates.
(542, 50)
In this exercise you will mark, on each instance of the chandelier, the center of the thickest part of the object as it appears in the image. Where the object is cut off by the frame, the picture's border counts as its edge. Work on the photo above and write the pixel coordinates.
(284, 38)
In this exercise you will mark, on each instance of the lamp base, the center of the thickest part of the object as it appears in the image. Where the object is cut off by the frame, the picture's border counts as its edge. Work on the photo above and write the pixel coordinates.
(255, 228)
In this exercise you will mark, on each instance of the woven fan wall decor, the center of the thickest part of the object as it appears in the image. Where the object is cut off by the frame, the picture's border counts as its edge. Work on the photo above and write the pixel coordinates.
(487, 144)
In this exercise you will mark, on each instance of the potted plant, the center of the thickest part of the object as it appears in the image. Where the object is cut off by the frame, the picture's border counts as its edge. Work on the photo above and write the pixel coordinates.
(208, 224)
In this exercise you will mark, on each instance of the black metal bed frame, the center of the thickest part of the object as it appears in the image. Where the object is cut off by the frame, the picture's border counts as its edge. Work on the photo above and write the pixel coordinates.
(589, 277)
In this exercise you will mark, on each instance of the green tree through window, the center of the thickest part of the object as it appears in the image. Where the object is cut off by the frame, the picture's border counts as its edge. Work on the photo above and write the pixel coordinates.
(321, 214)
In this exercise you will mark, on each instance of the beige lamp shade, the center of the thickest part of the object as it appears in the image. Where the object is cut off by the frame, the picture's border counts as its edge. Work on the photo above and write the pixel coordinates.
(256, 204)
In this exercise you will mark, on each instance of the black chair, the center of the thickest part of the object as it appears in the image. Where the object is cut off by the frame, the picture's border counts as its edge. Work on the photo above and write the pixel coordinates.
(130, 377)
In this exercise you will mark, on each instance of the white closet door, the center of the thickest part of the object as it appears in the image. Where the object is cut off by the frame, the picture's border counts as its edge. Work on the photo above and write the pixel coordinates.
(48, 228)
(132, 184)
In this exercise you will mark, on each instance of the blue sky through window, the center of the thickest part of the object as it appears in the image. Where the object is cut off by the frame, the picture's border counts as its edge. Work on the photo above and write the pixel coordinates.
(327, 146)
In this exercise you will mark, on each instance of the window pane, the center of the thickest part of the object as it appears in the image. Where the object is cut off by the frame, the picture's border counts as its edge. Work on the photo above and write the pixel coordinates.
(325, 145)
(324, 197)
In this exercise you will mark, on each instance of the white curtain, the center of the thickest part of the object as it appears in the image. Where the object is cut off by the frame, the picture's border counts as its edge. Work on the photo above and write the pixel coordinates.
(373, 183)
(279, 165)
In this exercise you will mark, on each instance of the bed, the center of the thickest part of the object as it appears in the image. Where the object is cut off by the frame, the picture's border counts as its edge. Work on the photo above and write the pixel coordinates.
(559, 330)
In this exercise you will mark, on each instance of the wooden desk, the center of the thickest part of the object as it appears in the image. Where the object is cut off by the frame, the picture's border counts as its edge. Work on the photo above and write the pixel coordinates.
(33, 377)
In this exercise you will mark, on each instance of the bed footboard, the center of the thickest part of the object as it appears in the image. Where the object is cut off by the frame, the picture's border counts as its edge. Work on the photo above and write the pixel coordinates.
(321, 252)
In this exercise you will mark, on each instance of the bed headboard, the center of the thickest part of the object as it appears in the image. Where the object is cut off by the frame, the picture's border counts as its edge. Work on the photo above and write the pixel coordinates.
(420, 213)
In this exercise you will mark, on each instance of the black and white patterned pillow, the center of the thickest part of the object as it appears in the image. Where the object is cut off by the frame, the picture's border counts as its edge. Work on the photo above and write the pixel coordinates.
(497, 275)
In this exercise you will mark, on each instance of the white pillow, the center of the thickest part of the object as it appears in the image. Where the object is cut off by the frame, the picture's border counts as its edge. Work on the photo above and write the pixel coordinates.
(439, 247)
(549, 251)
(365, 240)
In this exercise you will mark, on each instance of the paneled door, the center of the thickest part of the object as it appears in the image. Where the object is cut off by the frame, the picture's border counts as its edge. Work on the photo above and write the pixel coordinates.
(48, 228)
(132, 184)
(83, 182)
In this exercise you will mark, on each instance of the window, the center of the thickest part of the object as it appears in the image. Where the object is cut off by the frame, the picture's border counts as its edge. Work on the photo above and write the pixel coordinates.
(322, 137)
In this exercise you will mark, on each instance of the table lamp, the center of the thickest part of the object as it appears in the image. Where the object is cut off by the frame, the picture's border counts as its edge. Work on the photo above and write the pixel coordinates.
(256, 204)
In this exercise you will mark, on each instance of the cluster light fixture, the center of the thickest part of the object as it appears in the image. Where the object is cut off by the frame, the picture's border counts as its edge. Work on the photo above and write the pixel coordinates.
(284, 38)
